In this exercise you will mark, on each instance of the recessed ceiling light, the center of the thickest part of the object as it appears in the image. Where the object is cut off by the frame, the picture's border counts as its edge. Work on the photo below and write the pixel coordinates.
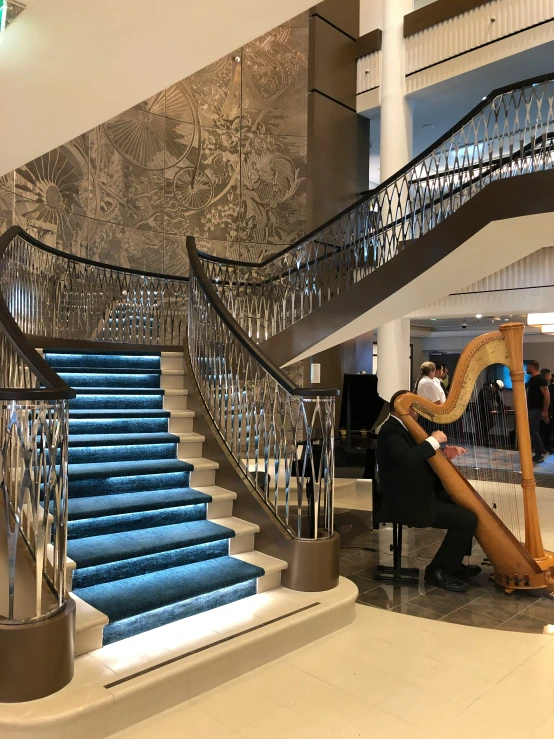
(478, 315)
(433, 319)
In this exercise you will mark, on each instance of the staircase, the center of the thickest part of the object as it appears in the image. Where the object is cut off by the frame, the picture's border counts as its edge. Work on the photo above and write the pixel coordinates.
(151, 538)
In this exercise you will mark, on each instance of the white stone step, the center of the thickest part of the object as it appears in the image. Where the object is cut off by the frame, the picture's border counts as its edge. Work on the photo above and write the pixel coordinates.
(181, 422)
(172, 379)
(175, 400)
(89, 626)
(179, 662)
(273, 568)
(190, 445)
(243, 540)
(204, 471)
(172, 360)
(222, 501)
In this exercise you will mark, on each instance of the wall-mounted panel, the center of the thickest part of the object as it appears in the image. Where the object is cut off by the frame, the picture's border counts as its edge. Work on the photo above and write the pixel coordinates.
(338, 155)
(344, 15)
(332, 57)
(474, 29)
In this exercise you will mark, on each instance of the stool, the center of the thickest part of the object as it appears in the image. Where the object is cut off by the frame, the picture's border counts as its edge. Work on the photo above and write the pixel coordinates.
(397, 573)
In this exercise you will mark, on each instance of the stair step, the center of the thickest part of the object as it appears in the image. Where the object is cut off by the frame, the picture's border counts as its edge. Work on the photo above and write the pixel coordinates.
(124, 469)
(142, 603)
(100, 448)
(103, 361)
(123, 477)
(134, 502)
(203, 472)
(107, 380)
(105, 558)
(104, 548)
(113, 426)
(117, 399)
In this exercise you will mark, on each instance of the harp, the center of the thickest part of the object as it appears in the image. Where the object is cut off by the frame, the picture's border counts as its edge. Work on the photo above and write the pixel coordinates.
(517, 565)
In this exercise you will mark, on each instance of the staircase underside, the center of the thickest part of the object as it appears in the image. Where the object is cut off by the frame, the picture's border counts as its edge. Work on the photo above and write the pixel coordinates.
(506, 221)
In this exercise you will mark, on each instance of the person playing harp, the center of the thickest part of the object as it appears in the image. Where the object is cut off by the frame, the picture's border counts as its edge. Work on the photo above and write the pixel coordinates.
(517, 565)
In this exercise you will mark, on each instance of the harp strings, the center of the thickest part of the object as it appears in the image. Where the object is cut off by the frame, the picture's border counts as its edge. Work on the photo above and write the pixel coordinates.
(487, 430)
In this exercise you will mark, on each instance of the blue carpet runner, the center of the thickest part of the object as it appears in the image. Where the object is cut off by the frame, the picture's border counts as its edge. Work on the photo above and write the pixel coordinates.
(145, 553)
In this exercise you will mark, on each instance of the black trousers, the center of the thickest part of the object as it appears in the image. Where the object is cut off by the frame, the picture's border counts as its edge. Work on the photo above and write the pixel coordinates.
(460, 524)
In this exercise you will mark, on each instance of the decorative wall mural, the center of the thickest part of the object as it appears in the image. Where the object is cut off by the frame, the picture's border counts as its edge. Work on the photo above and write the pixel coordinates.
(220, 154)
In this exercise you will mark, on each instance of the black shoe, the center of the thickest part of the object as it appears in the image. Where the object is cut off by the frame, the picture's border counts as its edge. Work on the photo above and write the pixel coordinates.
(539, 458)
(442, 579)
(468, 571)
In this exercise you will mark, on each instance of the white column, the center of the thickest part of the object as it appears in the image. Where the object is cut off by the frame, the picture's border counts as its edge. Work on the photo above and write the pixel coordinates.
(396, 114)
(393, 339)
(393, 357)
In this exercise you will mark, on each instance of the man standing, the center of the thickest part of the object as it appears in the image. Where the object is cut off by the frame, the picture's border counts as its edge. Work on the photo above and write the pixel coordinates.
(413, 495)
(538, 403)
(546, 428)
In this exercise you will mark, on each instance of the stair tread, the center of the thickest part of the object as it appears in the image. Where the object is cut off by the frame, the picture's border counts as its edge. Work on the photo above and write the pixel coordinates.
(91, 551)
(68, 370)
(119, 390)
(104, 505)
(136, 595)
(200, 463)
(238, 525)
(216, 492)
(156, 437)
(265, 561)
(130, 413)
(124, 469)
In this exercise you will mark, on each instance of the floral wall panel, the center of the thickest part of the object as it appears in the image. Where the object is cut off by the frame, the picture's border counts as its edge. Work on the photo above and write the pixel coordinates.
(220, 155)
(202, 191)
(275, 83)
(127, 159)
(273, 192)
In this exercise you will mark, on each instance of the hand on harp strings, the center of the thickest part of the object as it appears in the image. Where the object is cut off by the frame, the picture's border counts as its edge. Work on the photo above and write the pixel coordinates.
(451, 452)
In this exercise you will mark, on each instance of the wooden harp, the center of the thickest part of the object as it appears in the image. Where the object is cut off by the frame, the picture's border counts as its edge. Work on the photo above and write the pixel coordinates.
(517, 565)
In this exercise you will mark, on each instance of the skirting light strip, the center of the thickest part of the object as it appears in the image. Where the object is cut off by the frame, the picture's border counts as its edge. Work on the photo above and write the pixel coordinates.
(208, 646)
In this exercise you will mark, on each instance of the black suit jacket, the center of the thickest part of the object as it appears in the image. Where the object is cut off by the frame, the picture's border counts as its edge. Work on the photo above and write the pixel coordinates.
(408, 485)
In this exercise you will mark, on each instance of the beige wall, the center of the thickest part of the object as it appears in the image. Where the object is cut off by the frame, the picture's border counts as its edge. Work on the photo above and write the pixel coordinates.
(220, 154)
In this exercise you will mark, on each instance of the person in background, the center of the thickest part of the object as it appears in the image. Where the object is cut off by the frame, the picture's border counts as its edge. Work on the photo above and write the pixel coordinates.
(426, 387)
(546, 428)
(538, 403)
(440, 376)
(489, 405)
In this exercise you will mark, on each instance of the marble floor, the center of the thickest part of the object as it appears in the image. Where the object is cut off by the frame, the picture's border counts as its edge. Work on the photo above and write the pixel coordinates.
(485, 604)
(387, 675)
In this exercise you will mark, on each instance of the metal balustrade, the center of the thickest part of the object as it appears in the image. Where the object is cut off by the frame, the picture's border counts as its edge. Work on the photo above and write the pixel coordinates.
(510, 133)
(57, 295)
(281, 436)
(33, 489)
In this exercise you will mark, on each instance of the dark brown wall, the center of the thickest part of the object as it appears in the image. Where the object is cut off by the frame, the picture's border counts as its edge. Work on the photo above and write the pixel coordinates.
(338, 139)
(345, 15)
(338, 158)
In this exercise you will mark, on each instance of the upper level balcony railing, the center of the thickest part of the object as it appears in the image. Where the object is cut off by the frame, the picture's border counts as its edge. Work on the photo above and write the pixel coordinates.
(510, 133)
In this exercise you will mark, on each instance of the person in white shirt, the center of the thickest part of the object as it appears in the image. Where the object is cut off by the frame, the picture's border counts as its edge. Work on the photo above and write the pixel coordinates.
(427, 386)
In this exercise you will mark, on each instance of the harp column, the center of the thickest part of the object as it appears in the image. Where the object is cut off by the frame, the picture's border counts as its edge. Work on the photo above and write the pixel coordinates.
(393, 338)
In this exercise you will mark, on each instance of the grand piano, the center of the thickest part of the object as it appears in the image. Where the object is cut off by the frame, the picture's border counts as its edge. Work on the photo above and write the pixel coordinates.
(362, 411)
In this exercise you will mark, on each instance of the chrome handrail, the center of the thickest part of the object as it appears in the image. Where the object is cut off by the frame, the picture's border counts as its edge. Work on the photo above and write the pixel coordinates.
(280, 435)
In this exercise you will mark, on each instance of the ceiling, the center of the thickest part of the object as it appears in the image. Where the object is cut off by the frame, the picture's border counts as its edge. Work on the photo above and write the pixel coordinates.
(473, 324)
(444, 104)
(67, 66)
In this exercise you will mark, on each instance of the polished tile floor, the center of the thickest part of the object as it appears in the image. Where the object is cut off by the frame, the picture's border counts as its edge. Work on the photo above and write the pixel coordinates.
(485, 604)
(386, 676)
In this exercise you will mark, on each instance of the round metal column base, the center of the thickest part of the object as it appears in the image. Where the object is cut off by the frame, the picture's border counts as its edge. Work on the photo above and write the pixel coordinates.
(37, 658)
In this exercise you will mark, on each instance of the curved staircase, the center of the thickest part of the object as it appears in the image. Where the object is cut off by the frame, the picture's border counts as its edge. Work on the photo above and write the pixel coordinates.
(145, 547)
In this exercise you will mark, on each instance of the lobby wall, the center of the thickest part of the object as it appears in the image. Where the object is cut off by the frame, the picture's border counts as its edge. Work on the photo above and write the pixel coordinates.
(220, 154)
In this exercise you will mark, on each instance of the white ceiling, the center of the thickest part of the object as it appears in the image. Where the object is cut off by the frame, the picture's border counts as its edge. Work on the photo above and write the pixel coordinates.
(445, 103)
(68, 65)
